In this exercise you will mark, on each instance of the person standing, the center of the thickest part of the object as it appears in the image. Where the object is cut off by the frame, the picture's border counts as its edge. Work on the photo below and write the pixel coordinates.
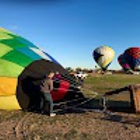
(46, 87)
(80, 77)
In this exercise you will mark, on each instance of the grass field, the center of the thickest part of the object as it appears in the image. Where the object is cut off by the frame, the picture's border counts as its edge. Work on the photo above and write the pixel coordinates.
(104, 83)
(78, 125)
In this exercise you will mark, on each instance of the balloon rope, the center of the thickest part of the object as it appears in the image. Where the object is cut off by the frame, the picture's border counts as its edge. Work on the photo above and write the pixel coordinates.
(85, 109)
(104, 104)
(71, 101)
(73, 106)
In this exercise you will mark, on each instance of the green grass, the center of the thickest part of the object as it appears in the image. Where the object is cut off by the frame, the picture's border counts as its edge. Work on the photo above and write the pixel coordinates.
(104, 83)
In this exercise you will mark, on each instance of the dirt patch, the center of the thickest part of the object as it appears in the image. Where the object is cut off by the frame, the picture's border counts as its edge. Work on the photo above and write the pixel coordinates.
(88, 125)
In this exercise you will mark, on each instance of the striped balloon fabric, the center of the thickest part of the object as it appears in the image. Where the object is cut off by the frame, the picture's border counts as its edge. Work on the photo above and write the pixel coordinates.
(123, 63)
(22, 69)
(132, 56)
(16, 53)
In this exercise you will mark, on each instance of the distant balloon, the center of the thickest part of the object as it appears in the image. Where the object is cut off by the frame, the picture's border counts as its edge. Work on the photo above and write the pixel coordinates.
(132, 56)
(122, 61)
(103, 55)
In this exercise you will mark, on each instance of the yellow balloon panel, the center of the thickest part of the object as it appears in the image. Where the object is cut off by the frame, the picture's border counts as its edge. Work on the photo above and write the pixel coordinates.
(9, 102)
(8, 86)
(5, 49)
(106, 62)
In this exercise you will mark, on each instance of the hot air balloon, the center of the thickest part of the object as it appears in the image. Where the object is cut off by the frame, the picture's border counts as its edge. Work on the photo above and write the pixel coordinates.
(103, 55)
(132, 56)
(122, 61)
(22, 66)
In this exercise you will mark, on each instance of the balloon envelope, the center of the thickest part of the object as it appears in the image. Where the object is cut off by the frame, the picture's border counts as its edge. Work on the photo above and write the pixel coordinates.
(103, 55)
(132, 56)
(122, 61)
(22, 67)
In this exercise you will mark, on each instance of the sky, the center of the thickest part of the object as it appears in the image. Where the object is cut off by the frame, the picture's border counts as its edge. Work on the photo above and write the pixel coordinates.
(70, 30)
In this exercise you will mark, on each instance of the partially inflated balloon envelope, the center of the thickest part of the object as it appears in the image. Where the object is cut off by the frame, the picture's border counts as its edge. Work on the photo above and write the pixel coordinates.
(103, 55)
(122, 61)
(22, 66)
(132, 56)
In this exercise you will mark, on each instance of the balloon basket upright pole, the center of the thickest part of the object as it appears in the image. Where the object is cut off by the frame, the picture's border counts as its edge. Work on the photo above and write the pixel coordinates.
(135, 97)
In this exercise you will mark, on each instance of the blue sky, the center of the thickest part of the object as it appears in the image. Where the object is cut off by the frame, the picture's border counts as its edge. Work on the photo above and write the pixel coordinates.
(70, 30)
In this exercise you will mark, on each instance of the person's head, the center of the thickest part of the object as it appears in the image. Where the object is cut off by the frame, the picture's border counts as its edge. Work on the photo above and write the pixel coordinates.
(51, 75)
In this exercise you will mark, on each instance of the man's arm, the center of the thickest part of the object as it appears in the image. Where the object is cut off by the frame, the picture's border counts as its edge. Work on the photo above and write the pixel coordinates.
(51, 84)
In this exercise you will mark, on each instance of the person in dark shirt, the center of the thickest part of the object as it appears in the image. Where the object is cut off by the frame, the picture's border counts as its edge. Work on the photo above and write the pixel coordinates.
(46, 87)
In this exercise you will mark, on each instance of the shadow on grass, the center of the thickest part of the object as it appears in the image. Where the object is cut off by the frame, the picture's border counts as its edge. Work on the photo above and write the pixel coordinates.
(115, 110)
(122, 119)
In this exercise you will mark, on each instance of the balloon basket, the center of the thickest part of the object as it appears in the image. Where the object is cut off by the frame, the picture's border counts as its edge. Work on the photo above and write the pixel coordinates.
(131, 97)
